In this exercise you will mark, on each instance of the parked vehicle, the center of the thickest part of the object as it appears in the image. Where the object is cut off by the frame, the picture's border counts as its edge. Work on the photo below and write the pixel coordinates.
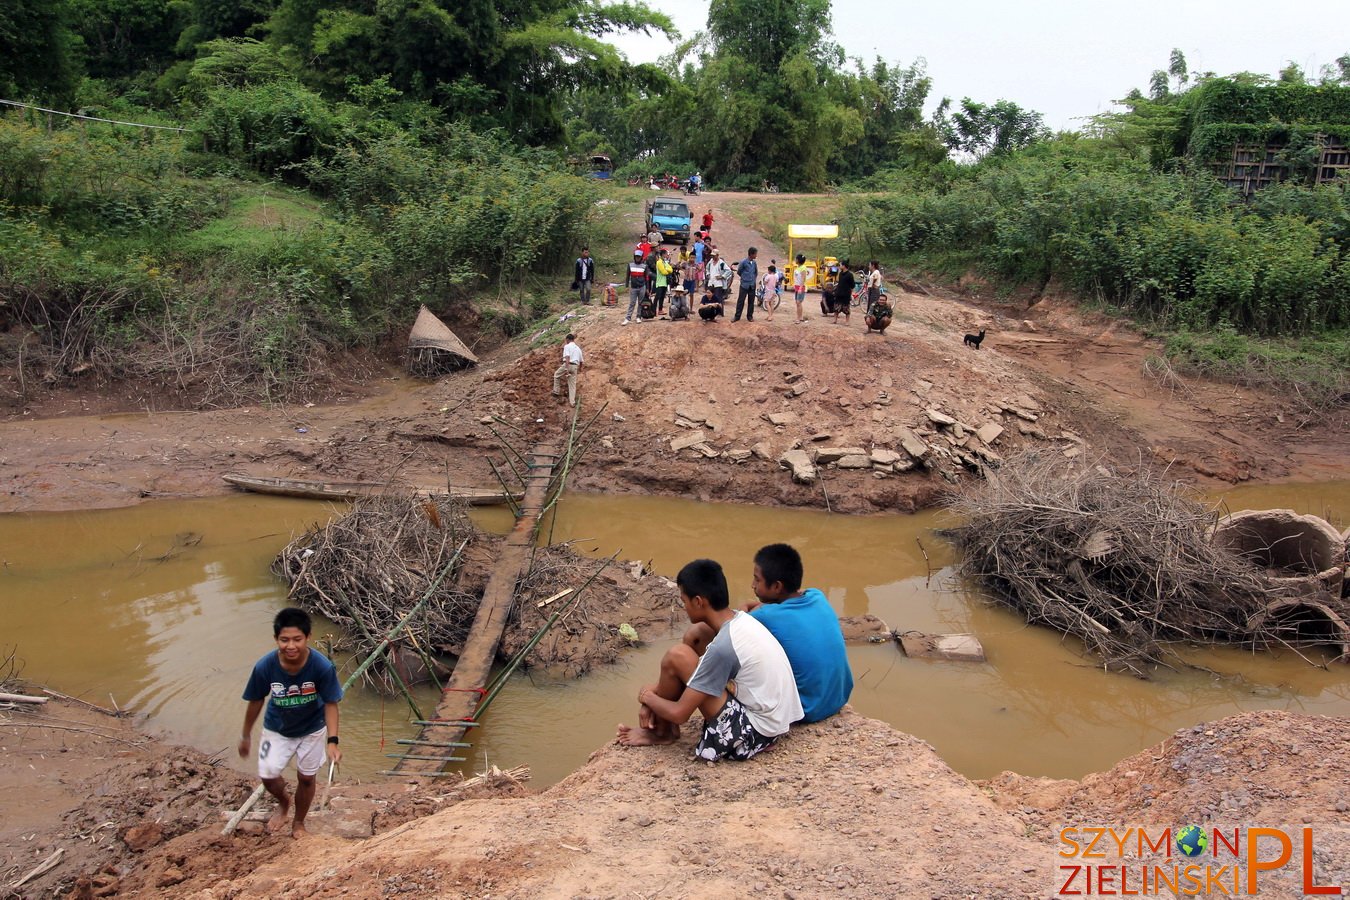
(821, 271)
(601, 166)
(670, 216)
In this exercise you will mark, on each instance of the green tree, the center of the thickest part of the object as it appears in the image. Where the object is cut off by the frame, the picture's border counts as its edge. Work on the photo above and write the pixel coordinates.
(504, 62)
(124, 38)
(37, 51)
(996, 129)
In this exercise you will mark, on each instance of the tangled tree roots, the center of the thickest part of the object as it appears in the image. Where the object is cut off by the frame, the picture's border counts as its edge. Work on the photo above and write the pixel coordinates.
(1124, 562)
(366, 570)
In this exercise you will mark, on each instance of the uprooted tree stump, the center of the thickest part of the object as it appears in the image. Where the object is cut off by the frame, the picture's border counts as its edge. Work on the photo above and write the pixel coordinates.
(1125, 562)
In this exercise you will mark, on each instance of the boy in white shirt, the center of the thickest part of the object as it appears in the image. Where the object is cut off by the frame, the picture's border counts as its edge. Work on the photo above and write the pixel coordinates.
(736, 725)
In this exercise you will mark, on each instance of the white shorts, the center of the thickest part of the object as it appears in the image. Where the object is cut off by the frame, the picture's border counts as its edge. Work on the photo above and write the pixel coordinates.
(275, 751)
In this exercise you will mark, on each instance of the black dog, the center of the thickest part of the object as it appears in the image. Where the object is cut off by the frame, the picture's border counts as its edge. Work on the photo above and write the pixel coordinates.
(973, 340)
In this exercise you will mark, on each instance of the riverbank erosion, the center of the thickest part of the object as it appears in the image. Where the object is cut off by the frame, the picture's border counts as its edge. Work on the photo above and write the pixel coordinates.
(848, 807)
(767, 412)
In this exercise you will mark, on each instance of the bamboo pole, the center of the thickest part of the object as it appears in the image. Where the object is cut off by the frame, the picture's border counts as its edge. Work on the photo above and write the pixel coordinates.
(242, 811)
(499, 681)
(407, 617)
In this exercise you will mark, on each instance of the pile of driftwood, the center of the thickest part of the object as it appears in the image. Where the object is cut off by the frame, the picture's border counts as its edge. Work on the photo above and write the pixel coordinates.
(367, 569)
(1124, 562)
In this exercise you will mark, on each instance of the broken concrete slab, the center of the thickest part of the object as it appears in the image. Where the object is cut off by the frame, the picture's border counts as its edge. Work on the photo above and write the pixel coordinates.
(1022, 414)
(989, 432)
(939, 418)
(707, 450)
(957, 647)
(782, 418)
(685, 441)
(864, 628)
(855, 461)
(911, 444)
(762, 450)
(882, 457)
(684, 412)
(803, 470)
(737, 456)
(833, 454)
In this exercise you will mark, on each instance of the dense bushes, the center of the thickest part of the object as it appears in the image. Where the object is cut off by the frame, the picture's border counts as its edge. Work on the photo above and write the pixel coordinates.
(116, 254)
(1178, 249)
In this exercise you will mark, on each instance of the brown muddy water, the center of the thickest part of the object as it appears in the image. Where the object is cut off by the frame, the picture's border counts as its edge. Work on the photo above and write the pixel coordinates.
(164, 606)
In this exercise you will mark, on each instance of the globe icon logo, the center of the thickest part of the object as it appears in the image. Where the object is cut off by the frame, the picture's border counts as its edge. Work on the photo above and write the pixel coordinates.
(1192, 841)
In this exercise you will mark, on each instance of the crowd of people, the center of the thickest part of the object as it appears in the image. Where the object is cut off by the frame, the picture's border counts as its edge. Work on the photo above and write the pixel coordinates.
(662, 283)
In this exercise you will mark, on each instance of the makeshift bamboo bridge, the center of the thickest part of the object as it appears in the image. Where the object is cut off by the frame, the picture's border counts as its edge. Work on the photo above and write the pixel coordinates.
(469, 690)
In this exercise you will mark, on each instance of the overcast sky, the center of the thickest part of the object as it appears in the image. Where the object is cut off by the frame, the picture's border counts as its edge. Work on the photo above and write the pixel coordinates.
(1066, 59)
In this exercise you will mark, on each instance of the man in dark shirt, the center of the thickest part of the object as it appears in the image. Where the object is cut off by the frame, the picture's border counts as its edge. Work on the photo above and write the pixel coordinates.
(843, 293)
(747, 270)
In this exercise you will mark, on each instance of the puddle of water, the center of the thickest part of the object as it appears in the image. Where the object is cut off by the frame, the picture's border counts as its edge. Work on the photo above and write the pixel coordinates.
(130, 602)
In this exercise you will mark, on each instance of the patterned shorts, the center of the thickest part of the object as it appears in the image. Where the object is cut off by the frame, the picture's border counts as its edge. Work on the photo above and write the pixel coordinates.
(730, 735)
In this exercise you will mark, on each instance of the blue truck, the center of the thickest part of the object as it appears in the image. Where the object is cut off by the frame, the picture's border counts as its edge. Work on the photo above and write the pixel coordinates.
(670, 216)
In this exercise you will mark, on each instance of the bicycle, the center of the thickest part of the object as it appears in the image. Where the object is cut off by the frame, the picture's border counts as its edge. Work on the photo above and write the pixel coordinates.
(858, 296)
(768, 302)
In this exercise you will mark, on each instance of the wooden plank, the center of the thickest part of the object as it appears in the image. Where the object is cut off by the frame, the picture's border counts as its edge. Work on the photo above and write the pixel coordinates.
(474, 666)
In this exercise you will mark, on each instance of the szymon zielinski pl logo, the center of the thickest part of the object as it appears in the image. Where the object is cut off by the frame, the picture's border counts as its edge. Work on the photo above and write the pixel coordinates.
(1190, 861)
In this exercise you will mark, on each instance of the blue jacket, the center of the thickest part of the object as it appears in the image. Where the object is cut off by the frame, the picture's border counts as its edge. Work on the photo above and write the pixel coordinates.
(809, 631)
(748, 271)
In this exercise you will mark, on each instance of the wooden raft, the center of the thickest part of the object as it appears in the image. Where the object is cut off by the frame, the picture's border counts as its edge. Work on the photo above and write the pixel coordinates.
(434, 747)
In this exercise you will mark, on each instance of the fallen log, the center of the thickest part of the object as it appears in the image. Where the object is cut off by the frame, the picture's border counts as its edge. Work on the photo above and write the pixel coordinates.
(21, 698)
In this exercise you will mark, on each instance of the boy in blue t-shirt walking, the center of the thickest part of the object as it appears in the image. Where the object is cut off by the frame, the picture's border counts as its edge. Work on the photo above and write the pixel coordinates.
(302, 716)
(806, 626)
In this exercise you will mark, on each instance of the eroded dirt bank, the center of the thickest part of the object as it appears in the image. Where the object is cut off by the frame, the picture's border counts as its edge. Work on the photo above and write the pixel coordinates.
(1049, 376)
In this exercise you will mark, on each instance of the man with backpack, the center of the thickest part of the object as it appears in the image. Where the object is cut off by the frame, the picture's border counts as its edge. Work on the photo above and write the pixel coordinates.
(636, 279)
(719, 277)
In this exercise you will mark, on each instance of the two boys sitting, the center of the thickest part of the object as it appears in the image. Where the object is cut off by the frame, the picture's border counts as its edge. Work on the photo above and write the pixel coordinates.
(786, 656)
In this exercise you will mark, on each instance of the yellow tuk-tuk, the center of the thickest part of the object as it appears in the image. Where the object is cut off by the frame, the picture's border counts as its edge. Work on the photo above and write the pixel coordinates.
(821, 271)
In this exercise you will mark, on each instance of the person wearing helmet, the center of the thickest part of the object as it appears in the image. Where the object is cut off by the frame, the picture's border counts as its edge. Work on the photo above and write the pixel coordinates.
(636, 279)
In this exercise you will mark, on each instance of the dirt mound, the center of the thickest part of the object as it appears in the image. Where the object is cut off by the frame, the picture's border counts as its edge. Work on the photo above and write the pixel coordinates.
(844, 808)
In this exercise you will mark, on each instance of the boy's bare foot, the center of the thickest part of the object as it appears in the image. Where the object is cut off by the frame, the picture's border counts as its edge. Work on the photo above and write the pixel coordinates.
(280, 817)
(641, 737)
(298, 831)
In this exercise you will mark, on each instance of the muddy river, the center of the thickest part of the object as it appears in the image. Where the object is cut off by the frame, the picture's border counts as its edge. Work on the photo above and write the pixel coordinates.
(163, 607)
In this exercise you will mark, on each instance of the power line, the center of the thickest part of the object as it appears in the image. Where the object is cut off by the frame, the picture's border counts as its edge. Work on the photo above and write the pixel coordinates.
(57, 112)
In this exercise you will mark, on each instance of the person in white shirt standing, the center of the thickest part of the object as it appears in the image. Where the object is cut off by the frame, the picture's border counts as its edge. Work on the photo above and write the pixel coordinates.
(571, 364)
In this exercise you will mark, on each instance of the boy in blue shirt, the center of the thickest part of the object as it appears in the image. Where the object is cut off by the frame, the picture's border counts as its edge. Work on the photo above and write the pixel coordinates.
(806, 626)
(302, 716)
(736, 725)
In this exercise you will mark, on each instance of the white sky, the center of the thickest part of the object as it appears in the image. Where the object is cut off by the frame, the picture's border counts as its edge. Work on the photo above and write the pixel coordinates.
(1062, 58)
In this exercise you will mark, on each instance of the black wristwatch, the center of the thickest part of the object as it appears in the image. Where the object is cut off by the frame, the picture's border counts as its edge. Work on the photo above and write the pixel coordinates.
(333, 739)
